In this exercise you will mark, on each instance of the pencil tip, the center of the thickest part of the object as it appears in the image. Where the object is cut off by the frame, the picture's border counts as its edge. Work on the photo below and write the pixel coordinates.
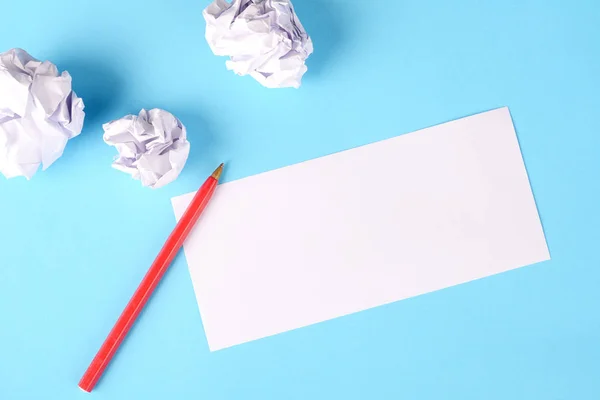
(218, 172)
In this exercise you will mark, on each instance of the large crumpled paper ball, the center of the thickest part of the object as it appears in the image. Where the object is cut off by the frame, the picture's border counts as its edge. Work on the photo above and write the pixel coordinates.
(263, 38)
(152, 146)
(39, 113)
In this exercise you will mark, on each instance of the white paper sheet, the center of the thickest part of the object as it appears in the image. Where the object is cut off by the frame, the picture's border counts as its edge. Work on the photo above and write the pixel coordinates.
(361, 228)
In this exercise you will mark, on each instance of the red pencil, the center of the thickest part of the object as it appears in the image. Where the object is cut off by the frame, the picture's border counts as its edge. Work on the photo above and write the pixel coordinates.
(149, 283)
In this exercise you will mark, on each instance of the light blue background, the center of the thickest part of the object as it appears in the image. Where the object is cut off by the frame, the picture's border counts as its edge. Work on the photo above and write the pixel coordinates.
(76, 240)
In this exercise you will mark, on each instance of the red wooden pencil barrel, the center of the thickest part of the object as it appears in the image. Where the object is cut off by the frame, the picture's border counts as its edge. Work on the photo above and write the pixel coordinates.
(149, 283)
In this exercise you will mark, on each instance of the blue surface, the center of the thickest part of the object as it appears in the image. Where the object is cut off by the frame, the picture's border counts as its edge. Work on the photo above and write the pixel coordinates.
(76, 240)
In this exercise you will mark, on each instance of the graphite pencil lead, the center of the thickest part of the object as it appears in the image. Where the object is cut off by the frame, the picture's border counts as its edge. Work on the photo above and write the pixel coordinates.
(218, 172)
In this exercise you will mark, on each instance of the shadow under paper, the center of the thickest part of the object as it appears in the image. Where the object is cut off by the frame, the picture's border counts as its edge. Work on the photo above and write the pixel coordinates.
(99, 85)
(203, 144)
(323, 23)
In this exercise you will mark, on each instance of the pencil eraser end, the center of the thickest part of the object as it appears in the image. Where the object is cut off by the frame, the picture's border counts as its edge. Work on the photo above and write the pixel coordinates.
(85, 388)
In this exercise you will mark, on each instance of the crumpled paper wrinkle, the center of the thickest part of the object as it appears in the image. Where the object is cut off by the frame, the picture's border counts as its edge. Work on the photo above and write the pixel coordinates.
(263, 38)
(39, 113)
(152, 146)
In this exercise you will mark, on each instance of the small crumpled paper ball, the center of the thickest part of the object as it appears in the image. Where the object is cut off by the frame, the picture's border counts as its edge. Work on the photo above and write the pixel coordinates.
(39, 113)
(152, 146)
(263, 38)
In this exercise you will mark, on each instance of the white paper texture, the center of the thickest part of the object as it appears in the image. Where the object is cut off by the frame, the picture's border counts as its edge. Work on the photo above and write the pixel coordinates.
(263, 38)
(152, 146)
(361, 228)
(39, 113)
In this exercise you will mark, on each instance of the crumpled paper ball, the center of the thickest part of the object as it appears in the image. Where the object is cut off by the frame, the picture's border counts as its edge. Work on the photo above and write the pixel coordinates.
(39, 113)
(152, 146)
(263, 38)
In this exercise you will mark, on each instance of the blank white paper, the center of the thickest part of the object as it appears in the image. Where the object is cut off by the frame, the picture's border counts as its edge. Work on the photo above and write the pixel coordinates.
(361, 228)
